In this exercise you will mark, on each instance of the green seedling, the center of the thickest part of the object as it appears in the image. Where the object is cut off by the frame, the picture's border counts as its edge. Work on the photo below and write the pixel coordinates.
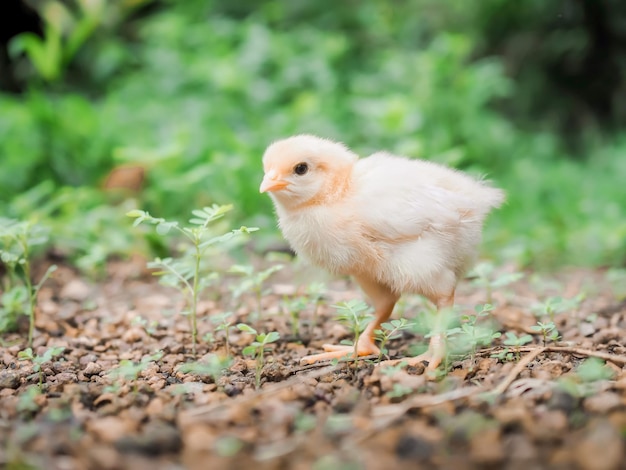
(391, 330)
(149, 326)
(294, 308)
(257, 348)
(129, 370)
(252, 281)
(511, 339)
(211, 365)
(355, 315)
(485, 276)
(186, 274)
(472, 333)
(51, 52)
(556, 305)
(315, 292)
(12, 304)
(27, 402)
(17, 240)
(584, 380)
(224, 322)
(548, 331)
(399, 391)
(39, 361)
(504, 355)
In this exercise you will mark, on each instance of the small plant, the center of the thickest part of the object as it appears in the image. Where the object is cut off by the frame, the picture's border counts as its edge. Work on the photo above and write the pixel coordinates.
(315, 292)
(473, 333)
(258, 347)
(17, 240)
(511, 339)
(129, 370)
(555, 305)
(212, 365)
(399, 391)
(252, 281)
(39, 361)
(484, 276)
(149, 327)
(390, 330)
(224, 323)
(51, 53)
(294, 308)
(354, 314)
(27, 402)
(186, 274)
(548, 331)
(584, 380)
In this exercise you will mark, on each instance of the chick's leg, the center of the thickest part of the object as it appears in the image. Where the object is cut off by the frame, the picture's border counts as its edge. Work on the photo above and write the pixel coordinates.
(436, 348)
(383, 301)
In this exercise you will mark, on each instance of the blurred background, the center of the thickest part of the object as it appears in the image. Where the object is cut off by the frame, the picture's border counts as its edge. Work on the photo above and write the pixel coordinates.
(168, 105)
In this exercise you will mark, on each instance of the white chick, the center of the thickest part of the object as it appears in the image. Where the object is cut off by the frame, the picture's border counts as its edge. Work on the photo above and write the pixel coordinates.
(396, 225)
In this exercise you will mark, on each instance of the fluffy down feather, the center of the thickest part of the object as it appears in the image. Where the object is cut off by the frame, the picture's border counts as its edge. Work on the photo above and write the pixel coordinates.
(397, 225)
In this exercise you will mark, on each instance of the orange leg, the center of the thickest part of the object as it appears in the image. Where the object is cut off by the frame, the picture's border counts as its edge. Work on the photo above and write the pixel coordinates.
(383, 300)
(436, 348)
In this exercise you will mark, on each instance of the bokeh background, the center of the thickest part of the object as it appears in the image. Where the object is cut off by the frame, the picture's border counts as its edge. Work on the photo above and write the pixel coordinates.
(531, 94)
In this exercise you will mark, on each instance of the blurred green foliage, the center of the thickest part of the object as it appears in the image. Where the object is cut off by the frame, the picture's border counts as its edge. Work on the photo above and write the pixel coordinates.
(196, 90)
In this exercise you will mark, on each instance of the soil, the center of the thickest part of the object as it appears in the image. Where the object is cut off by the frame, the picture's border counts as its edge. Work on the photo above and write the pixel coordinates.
(532, 408)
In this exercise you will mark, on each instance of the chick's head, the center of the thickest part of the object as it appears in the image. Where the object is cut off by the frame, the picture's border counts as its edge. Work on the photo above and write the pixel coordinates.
(306, 170)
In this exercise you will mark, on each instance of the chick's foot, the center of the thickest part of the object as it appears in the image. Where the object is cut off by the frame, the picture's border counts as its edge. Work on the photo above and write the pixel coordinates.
(433, 356)
(365, 347)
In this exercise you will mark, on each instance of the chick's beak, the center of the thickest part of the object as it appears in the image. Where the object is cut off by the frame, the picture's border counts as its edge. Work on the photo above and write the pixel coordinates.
(271, 182)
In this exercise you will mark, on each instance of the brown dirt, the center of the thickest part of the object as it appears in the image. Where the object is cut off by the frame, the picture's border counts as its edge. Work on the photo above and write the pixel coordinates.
(532, 412)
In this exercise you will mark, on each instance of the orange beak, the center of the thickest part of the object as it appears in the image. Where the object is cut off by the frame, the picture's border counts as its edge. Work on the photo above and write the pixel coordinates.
(271, 182)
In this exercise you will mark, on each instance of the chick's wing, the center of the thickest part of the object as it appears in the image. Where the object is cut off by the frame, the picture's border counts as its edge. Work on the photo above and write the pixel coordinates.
(399, 199)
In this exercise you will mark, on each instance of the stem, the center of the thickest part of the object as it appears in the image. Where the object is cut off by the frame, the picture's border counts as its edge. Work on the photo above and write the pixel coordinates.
(227, 341)
(31, 295)
(357, 334)
(259, 366)
(194, 300)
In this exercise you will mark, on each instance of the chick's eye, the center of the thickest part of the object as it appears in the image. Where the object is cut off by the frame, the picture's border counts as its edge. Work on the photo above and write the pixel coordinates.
(301, 168)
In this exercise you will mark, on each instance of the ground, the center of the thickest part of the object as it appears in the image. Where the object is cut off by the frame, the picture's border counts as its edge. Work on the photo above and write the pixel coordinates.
(110, 400)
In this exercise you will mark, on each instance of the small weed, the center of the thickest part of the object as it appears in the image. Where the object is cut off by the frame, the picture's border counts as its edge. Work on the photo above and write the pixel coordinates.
(555, 305)
(354, 314)
(27, 402)
(511, 339)
(584, 381)
(187, 276)
(211, 365)
(149, 326)
(473, 334)
(258, 347)
(39, 361)
(253, 282)
(399, 391)
(224, 322)
(129, 370)
(315, 292)
(484, 275)
(17, 240)
(391, 330)
(294, 308)
(548, 331)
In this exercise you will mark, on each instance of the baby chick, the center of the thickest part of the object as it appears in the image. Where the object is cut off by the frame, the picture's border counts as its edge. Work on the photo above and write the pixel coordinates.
(395, 225)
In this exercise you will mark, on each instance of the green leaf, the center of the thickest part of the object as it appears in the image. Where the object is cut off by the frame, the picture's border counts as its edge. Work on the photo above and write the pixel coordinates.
(249, 350)
(246, 328)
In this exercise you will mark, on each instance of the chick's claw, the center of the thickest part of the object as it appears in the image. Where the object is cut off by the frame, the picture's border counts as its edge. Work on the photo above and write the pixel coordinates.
(433, 356)
(335, 351)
